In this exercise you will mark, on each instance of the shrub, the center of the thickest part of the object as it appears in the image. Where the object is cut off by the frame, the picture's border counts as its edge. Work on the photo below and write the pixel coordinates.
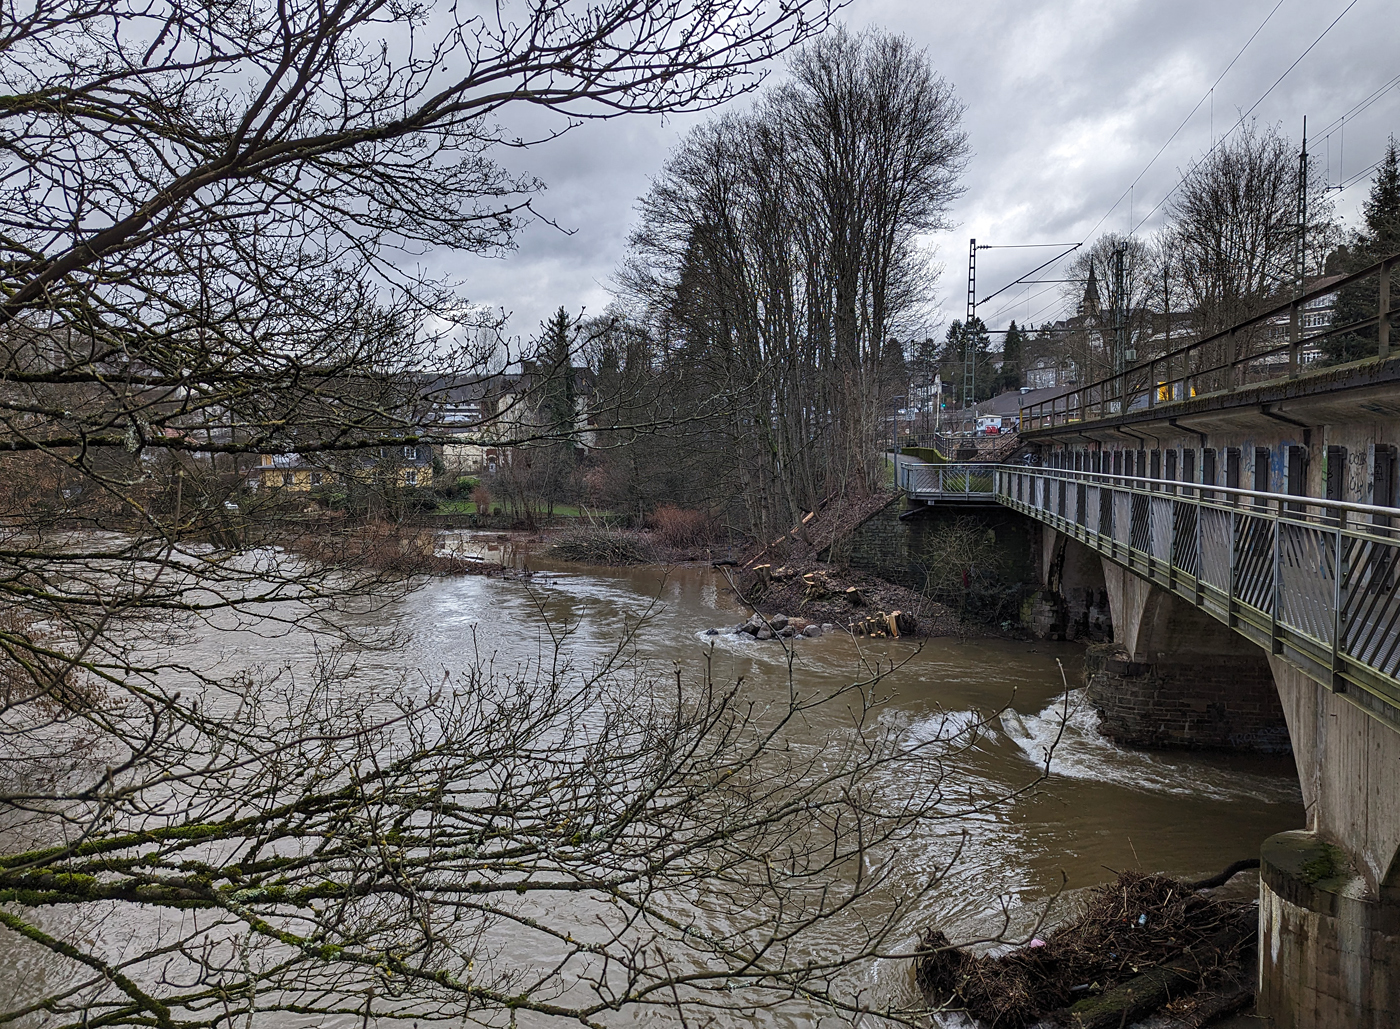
(481, 497)
(597, 545)
(680, 528)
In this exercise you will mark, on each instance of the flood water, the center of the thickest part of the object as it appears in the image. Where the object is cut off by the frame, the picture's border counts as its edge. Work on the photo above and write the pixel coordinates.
(1101, 809)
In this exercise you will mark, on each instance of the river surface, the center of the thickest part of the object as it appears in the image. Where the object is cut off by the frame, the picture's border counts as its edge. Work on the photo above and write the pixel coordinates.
(1101, 809)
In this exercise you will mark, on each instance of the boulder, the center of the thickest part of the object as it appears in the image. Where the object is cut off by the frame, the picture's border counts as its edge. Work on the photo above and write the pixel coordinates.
(787, 632)
(812, 631)
(779, 621)
(765, 634)
(828, 626)
(711, 632)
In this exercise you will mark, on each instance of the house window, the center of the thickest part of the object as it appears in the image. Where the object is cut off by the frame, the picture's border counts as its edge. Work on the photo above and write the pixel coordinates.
(315, 478)
(410, 452)
(412, 477)
(1232, 467)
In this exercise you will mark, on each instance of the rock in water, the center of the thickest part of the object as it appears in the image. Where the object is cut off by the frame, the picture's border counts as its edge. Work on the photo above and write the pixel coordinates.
(779, 621)
(812, 631)
(765, 633)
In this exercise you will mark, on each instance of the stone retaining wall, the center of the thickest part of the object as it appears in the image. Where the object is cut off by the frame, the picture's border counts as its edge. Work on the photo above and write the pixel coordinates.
(1219, 702)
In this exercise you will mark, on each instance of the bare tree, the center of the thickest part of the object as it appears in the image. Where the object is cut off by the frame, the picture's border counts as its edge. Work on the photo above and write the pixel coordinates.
(201, 207)
(1237, 224)
(779, 248)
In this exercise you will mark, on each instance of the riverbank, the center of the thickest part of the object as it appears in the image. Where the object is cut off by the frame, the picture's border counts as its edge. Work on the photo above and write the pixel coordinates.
(1143, 943)
(822, 592)
(805, 588)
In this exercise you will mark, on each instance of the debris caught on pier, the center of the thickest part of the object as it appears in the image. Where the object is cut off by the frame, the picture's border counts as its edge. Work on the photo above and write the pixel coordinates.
(1151, 930)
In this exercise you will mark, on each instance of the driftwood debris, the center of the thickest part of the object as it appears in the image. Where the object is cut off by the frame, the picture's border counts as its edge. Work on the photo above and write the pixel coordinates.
(1143, 941)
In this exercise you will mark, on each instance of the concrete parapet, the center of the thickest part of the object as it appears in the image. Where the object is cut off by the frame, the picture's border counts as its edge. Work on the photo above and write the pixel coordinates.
(1329, 952)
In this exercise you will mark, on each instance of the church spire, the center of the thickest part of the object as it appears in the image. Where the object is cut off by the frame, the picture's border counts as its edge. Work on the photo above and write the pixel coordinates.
(1089, 305)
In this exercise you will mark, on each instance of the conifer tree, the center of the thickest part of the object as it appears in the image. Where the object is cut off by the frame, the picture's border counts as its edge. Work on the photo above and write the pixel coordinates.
(1011, 357)
(1378, 239)
(558, 412)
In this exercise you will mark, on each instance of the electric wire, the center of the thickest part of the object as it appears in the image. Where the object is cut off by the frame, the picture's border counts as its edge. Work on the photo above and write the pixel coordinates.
(1131, 186)
(1204, 96)
(1253, 107)
(1331, 127)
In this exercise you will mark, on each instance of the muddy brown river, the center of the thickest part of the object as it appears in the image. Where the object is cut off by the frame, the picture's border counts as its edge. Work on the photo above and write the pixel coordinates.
(1101, 809)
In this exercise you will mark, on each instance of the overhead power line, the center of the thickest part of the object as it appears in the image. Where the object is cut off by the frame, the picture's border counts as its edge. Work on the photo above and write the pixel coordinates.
(1161, 150)
(1253, 107)
(1204, 96)
(1072, 248)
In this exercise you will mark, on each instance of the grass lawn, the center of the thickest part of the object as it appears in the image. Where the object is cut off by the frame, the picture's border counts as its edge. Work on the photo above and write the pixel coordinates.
(464, 507)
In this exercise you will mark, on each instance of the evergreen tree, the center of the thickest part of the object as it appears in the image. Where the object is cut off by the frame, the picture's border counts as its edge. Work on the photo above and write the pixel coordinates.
(558, 404)
(1012, 355)
(1377, 240)
(954, 356)
(894, 371)
(1382, 207)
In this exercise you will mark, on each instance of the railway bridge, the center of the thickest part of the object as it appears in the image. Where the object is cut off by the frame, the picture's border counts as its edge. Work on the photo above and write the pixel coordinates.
(1237, 506)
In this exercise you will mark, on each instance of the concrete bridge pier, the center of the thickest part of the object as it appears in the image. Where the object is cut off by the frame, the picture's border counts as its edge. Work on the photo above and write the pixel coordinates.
(1329, 936)
(1176, 677)
(1329, 895)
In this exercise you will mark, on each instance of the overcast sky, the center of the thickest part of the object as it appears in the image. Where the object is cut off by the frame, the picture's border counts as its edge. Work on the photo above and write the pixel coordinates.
(1067, 102)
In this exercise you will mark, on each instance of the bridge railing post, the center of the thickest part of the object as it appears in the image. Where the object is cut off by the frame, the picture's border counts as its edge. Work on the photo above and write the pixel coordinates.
(1275, 641)
(1200, 558)
(1339, 573)
(1234, 564)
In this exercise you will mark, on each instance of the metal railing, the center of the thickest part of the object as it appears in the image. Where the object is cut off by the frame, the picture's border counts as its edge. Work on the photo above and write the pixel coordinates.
(1314, 581)
(950, 446)
(1222, 362)
(968, 480)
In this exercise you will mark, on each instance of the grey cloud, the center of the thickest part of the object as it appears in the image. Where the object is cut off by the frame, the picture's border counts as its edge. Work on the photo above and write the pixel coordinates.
(1066, 102)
